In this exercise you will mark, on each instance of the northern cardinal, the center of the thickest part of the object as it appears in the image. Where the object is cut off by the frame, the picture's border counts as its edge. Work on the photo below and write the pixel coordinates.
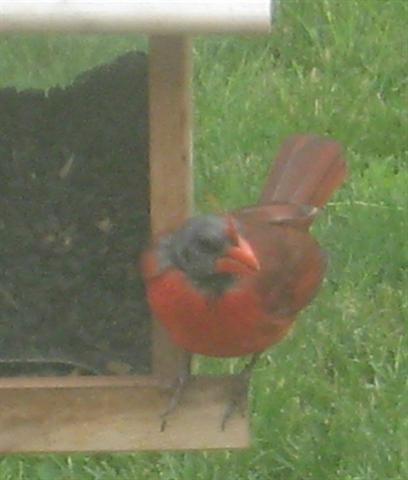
(232, 284)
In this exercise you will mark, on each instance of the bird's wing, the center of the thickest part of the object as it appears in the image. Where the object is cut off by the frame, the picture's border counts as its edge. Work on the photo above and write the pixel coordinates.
(292, 266)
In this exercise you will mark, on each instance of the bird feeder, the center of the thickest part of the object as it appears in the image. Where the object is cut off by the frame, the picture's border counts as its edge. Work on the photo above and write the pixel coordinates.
(121, 412)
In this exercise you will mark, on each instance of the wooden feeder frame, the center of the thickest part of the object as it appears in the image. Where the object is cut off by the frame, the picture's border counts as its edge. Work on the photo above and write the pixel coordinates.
(121, 413)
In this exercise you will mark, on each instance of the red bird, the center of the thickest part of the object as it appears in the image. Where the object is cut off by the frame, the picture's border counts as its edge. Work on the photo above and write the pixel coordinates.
(232, 284)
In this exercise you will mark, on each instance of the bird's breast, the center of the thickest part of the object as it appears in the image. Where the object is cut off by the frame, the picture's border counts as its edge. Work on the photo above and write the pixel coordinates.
(232, 324)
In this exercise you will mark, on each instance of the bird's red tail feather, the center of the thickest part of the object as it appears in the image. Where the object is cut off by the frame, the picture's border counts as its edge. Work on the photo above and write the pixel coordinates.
(307, 170)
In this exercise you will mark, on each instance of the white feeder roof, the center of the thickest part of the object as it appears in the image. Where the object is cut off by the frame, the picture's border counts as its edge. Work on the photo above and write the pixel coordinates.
(139, 16)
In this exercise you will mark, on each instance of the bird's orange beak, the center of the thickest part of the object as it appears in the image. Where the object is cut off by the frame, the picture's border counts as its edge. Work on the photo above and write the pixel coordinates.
(239, 259)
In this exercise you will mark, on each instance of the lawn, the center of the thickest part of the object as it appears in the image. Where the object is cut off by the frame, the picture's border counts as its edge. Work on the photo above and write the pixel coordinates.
(330, 402)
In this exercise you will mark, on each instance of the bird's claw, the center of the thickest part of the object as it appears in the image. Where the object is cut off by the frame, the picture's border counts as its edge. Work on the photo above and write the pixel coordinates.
(178, 388)
(230, 409)
(239, 391)
(237, 399)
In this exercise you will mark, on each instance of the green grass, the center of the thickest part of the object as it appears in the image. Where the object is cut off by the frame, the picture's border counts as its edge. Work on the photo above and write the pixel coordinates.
(330, 402)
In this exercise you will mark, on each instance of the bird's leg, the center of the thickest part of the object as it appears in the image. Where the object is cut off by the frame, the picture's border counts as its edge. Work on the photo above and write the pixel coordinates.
(183, 377)
(239, 391)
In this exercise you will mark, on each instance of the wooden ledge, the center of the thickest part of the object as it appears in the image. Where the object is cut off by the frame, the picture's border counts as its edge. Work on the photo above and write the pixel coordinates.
(113, 414)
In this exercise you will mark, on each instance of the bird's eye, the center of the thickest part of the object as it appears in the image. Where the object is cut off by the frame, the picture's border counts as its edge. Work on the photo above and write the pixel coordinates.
(208, 245)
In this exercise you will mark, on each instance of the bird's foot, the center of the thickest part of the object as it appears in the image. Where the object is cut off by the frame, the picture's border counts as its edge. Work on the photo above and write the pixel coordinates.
(178, 388)
(236, 400)
(239, 391)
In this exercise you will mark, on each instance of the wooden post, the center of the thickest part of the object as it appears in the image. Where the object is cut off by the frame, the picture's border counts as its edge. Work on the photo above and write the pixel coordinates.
(171, 197)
